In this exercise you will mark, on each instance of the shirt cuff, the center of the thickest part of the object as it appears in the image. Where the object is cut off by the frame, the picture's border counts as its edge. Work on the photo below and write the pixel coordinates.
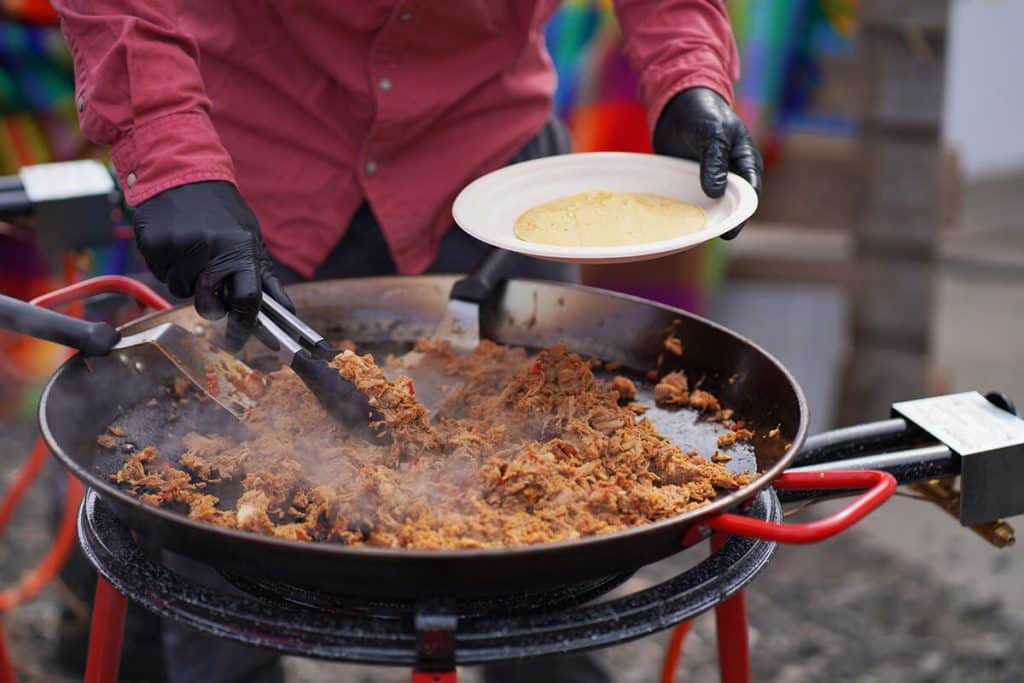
(702, 70)
(170, 151)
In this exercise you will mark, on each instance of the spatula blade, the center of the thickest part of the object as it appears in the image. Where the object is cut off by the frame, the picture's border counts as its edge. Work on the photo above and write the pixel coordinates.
(460, 326)
(215, 372)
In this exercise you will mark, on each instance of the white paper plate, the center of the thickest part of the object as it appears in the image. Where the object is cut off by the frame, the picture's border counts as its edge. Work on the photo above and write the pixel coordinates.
(488, 207)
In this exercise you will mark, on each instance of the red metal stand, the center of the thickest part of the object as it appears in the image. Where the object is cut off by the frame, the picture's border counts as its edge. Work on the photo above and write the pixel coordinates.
(104, 284)
(731, 632)
(733, 646)
(6, 665)
(443, 677)
(731, 615)
(674, 652)
(106, 634)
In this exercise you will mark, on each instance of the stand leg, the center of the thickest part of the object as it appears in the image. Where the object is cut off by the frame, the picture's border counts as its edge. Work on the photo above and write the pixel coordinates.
(6, 665)
(731, 629)
(439, 677)
(435, 644)
(674, 652)
(106, 634)
(733, 648)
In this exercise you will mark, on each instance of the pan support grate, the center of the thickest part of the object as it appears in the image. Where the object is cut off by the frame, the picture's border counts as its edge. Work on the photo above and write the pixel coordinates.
(433, 636)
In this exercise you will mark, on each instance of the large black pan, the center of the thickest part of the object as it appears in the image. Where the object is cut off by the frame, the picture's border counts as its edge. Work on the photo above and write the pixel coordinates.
(82, 398)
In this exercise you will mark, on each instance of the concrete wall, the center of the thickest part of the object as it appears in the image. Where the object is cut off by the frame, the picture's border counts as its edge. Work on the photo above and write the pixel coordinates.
(984, 113)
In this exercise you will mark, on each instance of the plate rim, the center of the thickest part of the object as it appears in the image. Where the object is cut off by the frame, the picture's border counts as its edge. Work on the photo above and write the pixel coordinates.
(747, 203)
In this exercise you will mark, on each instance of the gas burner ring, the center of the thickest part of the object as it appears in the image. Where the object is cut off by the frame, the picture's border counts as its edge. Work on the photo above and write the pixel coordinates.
(380, 638)
(557, 597)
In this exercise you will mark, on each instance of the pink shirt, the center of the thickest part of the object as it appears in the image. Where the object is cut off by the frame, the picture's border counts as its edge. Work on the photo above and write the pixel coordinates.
(311, 107)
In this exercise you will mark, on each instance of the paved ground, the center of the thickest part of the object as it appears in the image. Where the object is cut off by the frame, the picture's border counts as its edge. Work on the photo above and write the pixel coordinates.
(908, 596)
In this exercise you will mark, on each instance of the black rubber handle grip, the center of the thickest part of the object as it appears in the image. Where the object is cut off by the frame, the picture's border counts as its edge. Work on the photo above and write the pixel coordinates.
(92, 339)
(336, 394)
(481, 282)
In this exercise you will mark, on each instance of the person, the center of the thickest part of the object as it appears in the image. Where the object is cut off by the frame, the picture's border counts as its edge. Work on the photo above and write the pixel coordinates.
(270, 142)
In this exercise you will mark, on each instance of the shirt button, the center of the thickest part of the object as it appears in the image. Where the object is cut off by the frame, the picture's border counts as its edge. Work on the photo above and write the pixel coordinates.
(131, 179)
(405, 16)
(370, 167)
(385, 84)
(80, 103)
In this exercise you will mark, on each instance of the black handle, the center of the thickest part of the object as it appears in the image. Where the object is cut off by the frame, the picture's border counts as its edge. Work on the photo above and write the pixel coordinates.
(92, 339)
(908, 466)
(338, 396)
(481, 281)
(859, 440)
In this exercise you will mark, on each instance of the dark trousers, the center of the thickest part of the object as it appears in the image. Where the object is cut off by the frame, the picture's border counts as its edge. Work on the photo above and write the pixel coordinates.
(193, 656)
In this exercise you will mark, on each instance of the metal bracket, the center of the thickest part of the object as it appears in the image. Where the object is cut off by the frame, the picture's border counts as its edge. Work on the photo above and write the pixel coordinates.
(60, 195)
(989, 442)
(435, 644)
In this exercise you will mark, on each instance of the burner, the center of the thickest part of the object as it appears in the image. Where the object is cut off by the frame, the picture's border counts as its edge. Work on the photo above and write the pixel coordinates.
(559, 597)
(429, 635)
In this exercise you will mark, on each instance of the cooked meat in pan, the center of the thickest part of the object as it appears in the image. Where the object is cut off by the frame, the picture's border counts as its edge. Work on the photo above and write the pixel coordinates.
(524, 448)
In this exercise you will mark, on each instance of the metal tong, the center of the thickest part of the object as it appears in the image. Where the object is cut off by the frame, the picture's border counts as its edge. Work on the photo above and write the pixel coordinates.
(307, 353)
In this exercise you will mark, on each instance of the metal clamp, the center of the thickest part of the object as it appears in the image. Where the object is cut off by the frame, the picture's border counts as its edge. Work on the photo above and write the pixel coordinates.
(987, 439)
(435, 646)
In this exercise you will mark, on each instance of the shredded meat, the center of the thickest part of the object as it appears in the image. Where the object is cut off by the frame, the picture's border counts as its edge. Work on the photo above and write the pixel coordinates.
(624, 387)
(522, 449)
(672, 390)
(704, 401)
(406, 421)
(674, 345)
(734, 435)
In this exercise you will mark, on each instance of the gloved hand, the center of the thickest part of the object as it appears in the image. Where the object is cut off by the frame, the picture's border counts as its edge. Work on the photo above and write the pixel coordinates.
(698, 124)
(202, 240)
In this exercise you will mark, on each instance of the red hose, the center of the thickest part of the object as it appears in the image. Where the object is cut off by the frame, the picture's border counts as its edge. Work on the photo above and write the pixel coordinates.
(670, 665)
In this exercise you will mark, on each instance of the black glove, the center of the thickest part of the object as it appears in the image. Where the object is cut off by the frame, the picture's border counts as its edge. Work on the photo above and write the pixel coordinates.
(698, 124)
(204, 241)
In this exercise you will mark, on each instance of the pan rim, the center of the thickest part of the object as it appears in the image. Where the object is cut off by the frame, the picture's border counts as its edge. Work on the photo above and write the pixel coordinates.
(716, 506)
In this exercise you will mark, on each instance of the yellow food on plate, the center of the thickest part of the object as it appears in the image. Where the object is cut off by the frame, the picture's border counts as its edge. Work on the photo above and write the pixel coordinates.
(605, 218)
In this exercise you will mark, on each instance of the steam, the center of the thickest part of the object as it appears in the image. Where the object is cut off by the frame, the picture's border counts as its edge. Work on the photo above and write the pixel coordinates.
(513, 448)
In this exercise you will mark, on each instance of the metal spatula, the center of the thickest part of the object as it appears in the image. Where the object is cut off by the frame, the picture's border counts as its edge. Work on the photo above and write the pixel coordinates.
(212, 370)
(460, 326)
